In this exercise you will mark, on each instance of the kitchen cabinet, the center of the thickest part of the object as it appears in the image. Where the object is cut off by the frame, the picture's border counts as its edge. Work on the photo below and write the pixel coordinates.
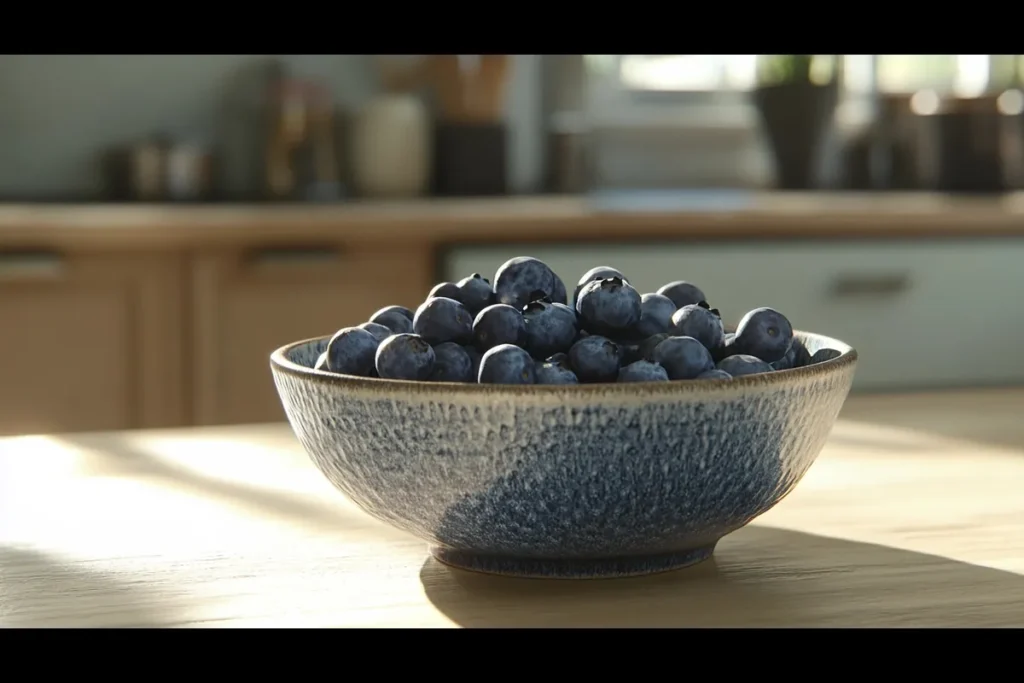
(920, 313)
(118, 317)
(90, 341)
(249, 300)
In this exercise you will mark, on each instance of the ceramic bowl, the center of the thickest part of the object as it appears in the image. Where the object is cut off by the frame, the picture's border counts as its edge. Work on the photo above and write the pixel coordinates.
(581, 481)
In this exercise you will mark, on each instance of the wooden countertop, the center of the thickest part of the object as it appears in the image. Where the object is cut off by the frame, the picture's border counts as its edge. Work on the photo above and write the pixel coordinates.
(913, 516)
(553, 218)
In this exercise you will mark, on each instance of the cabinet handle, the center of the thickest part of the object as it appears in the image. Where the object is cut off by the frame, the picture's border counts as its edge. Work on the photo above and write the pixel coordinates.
(30, 265)
(883, 284)
(292, 256)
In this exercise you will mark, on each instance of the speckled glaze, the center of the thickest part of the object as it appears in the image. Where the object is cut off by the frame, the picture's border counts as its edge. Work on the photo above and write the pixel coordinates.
(583, 481)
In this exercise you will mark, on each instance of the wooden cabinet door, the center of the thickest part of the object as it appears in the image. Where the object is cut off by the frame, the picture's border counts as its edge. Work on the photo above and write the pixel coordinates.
(247, 302)
(89, 341)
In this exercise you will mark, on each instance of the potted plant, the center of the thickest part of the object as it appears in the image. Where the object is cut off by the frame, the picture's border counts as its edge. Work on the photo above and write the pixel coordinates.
(796, 97)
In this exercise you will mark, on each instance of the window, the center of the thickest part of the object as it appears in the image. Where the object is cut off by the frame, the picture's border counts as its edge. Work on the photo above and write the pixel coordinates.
(713, 89)
(670, 90)
(688, 73)
(964, 74)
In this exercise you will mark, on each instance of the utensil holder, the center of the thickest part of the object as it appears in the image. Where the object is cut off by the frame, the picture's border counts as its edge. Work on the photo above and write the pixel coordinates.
(470, 159)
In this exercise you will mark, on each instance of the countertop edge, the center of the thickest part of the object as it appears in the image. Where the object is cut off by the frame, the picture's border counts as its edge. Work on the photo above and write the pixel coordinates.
(521, 219)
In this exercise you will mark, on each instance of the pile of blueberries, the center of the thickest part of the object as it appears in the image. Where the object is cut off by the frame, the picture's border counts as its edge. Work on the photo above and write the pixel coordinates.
(526, 330)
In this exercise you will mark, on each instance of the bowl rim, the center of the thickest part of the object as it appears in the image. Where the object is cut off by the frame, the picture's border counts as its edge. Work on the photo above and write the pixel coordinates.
(847, 359)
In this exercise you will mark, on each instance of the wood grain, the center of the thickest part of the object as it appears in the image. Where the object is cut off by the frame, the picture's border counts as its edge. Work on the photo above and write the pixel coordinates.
(913, 516)
(552, 218)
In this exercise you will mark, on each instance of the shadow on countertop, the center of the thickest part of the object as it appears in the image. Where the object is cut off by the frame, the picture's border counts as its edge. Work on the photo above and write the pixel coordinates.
(759, 577)
(41, 591)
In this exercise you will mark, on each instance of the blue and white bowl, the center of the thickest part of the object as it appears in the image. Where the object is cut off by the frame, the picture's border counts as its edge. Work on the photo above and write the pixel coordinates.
(580, 481)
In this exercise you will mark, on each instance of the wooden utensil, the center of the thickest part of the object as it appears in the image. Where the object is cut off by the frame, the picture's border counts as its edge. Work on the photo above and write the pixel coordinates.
(467, 88)
(470, 88)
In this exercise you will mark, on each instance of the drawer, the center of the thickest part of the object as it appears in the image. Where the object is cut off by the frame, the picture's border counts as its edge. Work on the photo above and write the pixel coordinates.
(933, 314)
(89, 341)
(247, 302)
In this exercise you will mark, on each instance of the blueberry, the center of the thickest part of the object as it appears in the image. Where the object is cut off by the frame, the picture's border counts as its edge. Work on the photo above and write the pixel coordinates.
(796, 357)
(451, 364)
(700, 323)
(682, 357)
(524, 279)
(595, 359)
(405, 356)
(394, 318)
(655, 315)
(447, 290)
(549, 328)
(321, 363)
(380, 332)
(764, 333)
(822, 355)
(569, 312)
(351, 351)
(608, 306)
(395, 309)
(559, 295)
(645, 349)
(643, 371)
(474, 357)
(728, 347)
(598, 273)
(714, 373)
(498, 324)
(801, 356)
(743, 364)
(441, 319)
(784, 363)
(507, 364)
(683, 293)
(556, 370)
(475, 293)
(601, 273)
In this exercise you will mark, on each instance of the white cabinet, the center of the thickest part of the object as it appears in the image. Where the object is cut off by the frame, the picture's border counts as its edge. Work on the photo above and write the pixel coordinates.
(925, 314)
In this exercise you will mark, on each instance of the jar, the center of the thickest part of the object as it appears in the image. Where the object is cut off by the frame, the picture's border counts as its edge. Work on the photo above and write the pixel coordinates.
(391, 147)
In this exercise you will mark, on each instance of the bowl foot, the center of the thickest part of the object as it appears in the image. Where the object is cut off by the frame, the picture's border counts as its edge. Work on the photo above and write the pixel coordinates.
(536, 568)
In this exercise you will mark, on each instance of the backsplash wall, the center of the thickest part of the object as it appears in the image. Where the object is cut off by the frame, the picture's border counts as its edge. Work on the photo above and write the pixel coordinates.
(59, 112)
